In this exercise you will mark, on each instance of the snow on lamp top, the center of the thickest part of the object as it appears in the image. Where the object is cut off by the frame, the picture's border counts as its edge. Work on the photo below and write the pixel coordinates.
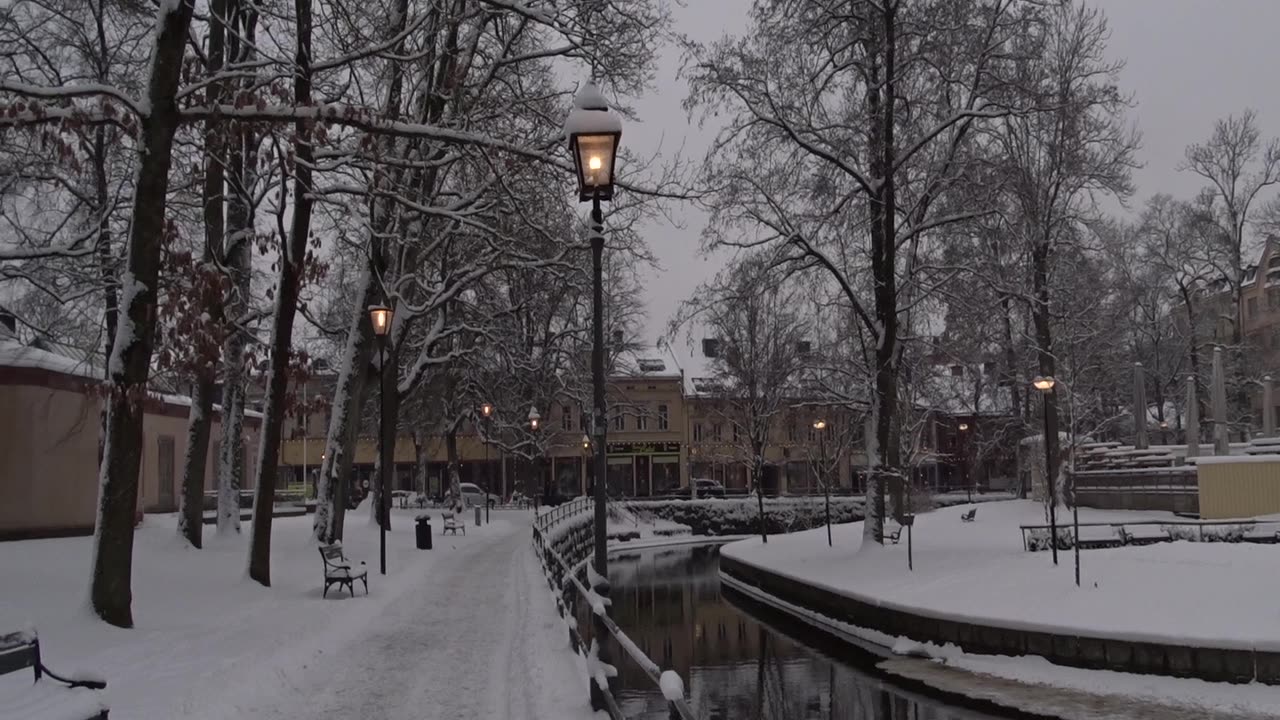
(593, 134)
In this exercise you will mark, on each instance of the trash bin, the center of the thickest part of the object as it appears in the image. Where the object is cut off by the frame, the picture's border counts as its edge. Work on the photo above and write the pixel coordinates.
(422, 531)
(477, 516)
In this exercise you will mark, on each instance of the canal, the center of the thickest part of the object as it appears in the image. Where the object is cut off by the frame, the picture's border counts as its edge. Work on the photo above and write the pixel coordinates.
(740, 661)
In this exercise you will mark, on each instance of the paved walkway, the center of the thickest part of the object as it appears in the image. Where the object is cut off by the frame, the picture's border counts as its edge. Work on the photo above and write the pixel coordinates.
(476, 638)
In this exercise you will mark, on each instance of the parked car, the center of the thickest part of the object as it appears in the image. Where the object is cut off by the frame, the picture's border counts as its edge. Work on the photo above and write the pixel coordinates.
(472, 495)
(708, 488)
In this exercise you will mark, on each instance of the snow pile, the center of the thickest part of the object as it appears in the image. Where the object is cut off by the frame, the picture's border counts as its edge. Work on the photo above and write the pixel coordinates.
(1183, 593)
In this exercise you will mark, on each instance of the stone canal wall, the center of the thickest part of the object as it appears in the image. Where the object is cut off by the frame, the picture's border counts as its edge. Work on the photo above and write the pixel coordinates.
(1238, 665)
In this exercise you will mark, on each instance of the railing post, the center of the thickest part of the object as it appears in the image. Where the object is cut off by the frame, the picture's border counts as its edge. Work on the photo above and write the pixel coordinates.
(601, 633)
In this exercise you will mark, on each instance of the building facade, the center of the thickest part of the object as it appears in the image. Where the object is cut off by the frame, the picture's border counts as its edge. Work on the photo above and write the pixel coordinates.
(50, 420)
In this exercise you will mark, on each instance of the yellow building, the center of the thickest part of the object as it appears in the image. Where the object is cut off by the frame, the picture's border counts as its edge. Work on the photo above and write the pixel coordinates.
(662, 430)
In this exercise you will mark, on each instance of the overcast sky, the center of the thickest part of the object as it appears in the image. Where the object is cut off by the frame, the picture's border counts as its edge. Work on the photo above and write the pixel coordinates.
(1188, 62)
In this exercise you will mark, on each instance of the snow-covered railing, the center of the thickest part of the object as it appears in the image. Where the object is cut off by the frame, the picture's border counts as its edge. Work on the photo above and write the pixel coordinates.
(562, 576)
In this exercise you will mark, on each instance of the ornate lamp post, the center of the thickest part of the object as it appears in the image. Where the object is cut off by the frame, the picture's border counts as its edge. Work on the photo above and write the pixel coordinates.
(486, 412)
(534, 421)
(594, 134)
(380, 317)
(1045, 386)
(820, 426)
(964, 458)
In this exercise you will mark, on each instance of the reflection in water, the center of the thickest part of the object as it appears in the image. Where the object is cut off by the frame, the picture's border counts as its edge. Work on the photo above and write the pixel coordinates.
(669, 602)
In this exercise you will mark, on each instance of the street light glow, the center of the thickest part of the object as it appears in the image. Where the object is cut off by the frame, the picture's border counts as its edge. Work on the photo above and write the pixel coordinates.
(380, 317)
(819, 424)
(1043, 384)
(595, 163)
(486, 409)
(964, 426)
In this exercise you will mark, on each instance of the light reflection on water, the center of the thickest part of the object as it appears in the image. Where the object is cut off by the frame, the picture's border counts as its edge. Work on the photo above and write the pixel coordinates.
(669, 602)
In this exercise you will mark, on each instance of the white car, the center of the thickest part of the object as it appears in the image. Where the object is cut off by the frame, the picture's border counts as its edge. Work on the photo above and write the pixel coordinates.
(472, 495)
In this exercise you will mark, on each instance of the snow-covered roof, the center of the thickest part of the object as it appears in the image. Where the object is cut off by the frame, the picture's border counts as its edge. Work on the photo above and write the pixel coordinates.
(645, 361)
(15, 354)
(946, 392)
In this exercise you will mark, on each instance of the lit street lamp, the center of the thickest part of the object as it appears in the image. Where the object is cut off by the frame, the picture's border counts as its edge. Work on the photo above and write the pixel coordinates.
(486, 412)
(534, 420)
(594, 134)
(1045, 386)
(820, 426)
(964, 460)
(380, 317)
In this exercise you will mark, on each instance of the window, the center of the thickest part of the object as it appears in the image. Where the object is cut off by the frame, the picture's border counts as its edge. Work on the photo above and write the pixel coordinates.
(566, 418)
(957, 371)
(663, 421)
(737, 433)
(619, 420)
(804, 347)
(711, 347)
(642, 419)
(717, 431)
(792, 435)
(1253, 306)
(583, 421)
(697, 432)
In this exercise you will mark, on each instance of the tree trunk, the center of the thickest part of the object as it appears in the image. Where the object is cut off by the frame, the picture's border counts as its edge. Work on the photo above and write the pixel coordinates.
(344, 421)
(191, 502)
(130, 362)
(757, 481)
(1044, 352)
(231, 452)
(451, 450)
(292, 259)
(242, 158)
(883, 215)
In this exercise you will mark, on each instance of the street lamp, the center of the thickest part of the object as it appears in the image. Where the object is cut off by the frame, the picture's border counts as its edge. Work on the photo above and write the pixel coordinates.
(380, 317)
(534, 420)
(964, 460)
(1045, 385)
(1164, 432)
(486, 411)
(594, 134)
(821, 425)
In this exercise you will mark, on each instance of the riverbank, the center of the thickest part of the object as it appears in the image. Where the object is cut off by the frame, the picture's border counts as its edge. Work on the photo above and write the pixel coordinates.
(1186, 609)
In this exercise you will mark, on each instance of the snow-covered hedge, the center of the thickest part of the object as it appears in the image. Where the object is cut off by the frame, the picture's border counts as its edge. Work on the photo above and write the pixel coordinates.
(741, 516)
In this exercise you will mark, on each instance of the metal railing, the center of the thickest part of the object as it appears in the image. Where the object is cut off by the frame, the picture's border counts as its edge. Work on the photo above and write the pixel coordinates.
(558, 571)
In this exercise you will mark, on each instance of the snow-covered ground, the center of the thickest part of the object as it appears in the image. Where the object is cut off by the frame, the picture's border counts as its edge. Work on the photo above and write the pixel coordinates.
(1211, 594)
(467, 630)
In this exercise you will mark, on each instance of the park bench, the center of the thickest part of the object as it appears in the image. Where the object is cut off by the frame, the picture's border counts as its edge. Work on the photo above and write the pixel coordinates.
(338, 571)
(452, 524)
(968, 517)
(892, 537)
(21, 650)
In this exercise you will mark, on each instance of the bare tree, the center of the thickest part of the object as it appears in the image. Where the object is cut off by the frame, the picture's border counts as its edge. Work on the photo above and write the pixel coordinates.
(753, 314)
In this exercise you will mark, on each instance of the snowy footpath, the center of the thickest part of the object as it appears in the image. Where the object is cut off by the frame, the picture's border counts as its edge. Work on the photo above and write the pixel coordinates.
(467, 630)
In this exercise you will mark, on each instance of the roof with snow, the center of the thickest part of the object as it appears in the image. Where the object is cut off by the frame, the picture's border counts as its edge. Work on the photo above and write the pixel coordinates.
(964, 390)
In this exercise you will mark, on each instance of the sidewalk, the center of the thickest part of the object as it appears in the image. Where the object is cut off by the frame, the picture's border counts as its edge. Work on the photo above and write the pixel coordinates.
(467, 630)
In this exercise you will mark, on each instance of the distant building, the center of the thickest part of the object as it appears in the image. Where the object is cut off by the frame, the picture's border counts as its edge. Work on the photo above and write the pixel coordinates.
(50, 429)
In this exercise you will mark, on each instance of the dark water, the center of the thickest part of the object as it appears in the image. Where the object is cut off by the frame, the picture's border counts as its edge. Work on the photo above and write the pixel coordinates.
(669, 601)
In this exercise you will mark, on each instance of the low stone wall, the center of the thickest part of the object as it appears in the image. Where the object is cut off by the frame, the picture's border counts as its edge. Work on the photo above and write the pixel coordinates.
(1098, 653)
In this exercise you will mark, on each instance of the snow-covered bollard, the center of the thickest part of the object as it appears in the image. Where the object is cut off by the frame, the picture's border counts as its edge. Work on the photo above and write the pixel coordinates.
(672, 686)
